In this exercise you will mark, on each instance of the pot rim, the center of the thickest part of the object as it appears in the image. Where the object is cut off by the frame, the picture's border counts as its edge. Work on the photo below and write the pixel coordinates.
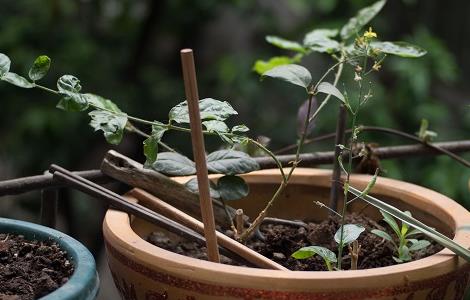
(84, 282)
(116, 227)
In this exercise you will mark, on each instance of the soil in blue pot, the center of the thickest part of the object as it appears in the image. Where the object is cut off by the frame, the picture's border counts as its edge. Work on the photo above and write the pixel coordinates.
(31, 269)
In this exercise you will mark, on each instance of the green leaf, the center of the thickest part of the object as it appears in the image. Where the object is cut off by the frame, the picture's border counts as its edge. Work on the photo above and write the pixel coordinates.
(193, 186)
(307, 252)
(402, 49)
(174, 164)
(232, 187)
(231, 162)
(320, 40)
(151, 143)
(5, 64)
(17, 80)
(100, 102)
(262, 66)
(350, 233)
(382, 234)
(210, 109)
(404, 226)
(240, 128)
(425, 229)
(418, 245)
(328, 88)
(291, 73)
(73, 102)
(413, 232)
(68, 84)
(40, 68)
(112, 124)
(215, 126)
(391, 222)
(363, 17)
(285, 44)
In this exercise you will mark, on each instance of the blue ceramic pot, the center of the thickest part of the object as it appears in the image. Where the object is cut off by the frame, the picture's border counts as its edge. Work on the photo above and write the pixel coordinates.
(84, 282)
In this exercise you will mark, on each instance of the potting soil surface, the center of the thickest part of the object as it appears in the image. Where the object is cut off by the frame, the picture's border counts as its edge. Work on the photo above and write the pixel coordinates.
(31, 269)
(282, 240)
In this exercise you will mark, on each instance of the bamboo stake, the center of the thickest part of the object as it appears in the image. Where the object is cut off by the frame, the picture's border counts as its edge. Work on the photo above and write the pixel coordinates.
(175, 214)
(197, 138)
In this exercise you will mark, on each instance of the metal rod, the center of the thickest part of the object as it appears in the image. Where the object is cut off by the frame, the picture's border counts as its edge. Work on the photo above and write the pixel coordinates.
(49, 201)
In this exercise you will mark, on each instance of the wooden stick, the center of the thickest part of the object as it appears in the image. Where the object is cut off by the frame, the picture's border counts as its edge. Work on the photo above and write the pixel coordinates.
(173, 213)
(199, 152)
(129, 171)
(239, 222)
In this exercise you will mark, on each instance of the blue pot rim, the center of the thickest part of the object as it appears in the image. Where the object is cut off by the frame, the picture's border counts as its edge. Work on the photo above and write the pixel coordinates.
(84, 282)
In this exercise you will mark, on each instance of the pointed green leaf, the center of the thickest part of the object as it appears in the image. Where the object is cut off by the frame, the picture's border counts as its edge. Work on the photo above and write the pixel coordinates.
(391, 222)
(17, 80)
(231, 162)
(402, 49)
(350, 233)
(262, 66)
(285, 44)
(40, 68)
(232, 187)
(291, 73)
(193, 186)
(363, 17)
(320, 40)
(4, 64)
(210, 109)
(174, 164)
(328, 88)
(112, 124)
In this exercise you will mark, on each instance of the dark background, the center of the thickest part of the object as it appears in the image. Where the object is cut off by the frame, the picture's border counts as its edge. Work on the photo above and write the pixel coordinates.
(128, 51)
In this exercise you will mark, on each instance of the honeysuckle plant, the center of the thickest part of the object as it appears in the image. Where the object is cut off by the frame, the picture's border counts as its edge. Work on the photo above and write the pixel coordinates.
(363, 53)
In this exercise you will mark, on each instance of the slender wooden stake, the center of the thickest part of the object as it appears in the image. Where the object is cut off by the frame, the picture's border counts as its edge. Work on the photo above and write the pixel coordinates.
(192, 97)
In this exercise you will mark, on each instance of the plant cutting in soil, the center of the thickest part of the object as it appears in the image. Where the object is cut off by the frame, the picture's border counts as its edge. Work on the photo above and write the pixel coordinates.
(341, 242)
(30, 269)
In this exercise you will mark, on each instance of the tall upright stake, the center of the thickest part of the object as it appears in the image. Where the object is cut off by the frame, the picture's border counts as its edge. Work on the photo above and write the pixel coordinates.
(192, 97)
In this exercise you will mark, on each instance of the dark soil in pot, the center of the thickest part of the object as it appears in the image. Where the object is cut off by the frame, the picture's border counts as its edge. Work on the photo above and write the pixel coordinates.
(31, 269)
(282, 240)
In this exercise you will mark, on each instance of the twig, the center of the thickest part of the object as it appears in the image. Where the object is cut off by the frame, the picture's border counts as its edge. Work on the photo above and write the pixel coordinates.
(339, 139)
(239, 221)
(354, 253)
(327, 157)
(285, 222)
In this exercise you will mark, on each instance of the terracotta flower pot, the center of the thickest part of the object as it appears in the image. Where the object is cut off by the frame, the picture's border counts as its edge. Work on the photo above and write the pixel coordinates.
(144, 271)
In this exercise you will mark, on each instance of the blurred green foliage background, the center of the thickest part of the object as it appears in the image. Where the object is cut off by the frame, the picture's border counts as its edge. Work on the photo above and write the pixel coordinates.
(128, 51)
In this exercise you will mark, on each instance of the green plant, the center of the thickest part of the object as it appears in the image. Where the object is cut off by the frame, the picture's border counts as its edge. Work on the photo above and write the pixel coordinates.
(343, 237)
(405, 244)
(363, 53)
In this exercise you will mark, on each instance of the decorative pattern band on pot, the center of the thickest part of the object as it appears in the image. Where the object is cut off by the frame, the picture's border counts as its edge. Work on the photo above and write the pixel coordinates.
(435, 289)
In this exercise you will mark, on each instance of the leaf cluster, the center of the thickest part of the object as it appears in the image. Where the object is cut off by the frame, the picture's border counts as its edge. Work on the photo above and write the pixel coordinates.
(403, 243)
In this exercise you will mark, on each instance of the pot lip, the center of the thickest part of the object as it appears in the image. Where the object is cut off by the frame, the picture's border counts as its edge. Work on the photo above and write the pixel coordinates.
(84, 282)
(116, 228)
